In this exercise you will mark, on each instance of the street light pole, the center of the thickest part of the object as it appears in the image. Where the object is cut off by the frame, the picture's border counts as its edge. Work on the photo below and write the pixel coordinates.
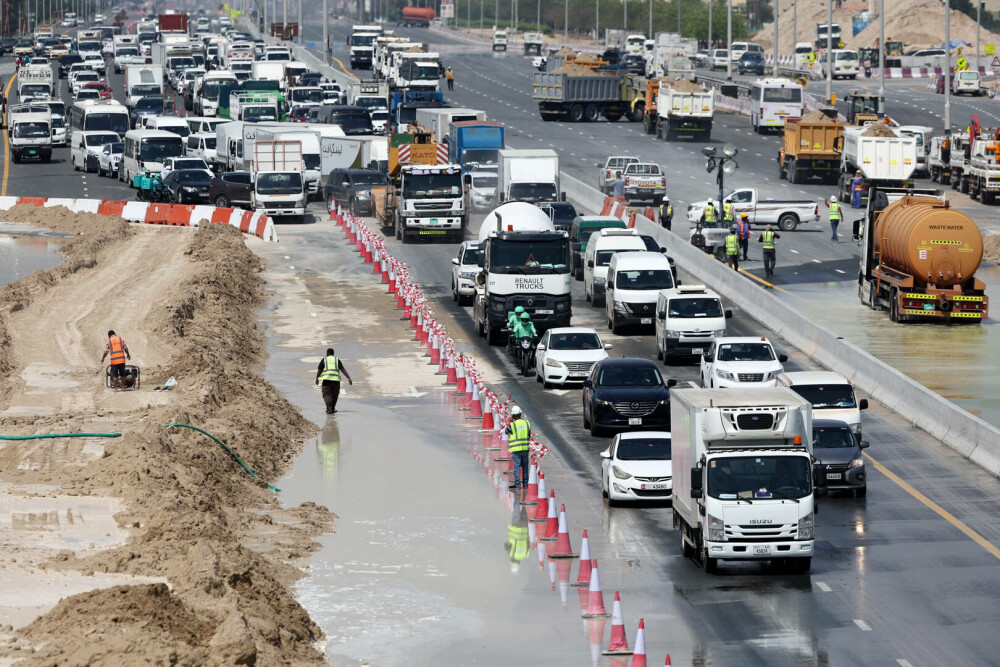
(624, 15)
(795, 25)
(881, 52)
(651, 19)
(829, 50)
(710, 3)
(597, 28)
(326, 31)
(729, 40)
(776, 38)
(947, 67)
(979, 6)
(565, 22)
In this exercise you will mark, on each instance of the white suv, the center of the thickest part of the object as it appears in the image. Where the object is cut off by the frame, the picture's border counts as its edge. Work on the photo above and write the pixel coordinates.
(688, 319)
(741, 362)
(464, 268)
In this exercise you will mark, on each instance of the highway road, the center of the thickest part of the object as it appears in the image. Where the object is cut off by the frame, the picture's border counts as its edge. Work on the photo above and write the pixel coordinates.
(909, 575)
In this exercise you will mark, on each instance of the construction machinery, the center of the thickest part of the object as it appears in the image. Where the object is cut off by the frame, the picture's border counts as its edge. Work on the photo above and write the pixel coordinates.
(809, 149)
(864, 108)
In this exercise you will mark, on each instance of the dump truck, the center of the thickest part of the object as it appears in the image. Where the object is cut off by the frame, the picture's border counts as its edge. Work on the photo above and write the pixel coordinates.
(533, 43)
(984, 169)
(581, 95)
(684, 109)
(919, 258)
(939, 159)
(809, 149)
(884, 159)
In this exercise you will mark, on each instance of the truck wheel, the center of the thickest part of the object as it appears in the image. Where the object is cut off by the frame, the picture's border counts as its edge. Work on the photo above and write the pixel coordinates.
(788, 222)
(711, 564)
(591, 113)
(576, 113)
(638, 113)
(800, 565)
(987, 197)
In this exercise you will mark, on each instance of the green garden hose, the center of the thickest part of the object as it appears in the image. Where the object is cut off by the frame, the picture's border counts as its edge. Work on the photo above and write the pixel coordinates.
(41, 436)
(228, 451)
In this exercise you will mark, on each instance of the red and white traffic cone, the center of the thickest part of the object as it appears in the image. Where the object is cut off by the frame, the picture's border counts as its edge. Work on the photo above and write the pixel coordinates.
(435, 350)
(488, 412)
(541, 555)
(476, 405)
(376, 262)
(542, 508)
(583, 578)
(639, 655)
(531, 498)
(442, 361)
(666, 663)
(469, 384)
(460, 379)
(595, 600)
(619, 643)
(563, 547)
(340, 215)
(551, 521)
(452, 376)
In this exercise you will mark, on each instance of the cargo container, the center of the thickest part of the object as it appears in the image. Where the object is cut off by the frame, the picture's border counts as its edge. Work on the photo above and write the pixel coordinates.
(809, 149)
(173, 23)
(884, 159)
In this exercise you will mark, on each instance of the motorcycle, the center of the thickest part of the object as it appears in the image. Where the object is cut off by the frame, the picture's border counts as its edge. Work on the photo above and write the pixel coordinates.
(149, 188)
(525, 355)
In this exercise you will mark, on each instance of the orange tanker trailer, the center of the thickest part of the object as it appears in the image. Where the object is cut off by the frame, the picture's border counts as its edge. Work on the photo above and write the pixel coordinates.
(919, 258)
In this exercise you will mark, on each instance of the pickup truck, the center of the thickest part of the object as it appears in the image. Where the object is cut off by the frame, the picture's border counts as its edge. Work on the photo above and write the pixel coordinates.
(612, 166)
(644, 182)
(786, 214)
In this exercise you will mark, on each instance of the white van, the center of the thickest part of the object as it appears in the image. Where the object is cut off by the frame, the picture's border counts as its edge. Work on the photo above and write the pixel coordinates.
(846, 63)
(89, 143)
(688, 319)
(831, 394)
(772, 101)
(600, 248)
(147, 150)
(634, 281)
(739, 48)
(202, 144)
(169, 124)
(802, 52)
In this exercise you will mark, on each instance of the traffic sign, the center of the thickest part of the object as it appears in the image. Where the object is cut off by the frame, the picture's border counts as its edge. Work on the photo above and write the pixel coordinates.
(996, 61)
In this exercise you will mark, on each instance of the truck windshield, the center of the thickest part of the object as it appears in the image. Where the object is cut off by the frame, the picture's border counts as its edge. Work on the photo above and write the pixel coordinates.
(145, 90)
(125, 52)
(312, 161)
(420, 184)
(745, 352)
(534, 191)
(643, 449)
(279, 184)
(109, 122)
(474, 158)
(759, 477)
(417, 71)
(695, 307)
(31, 130)
(152, 103)
(484, 182)
(604, 256)
(529, 256)
(259, 114)
(370, 102)
(35, 90)
(159, 149)
(648, 279)
(827, 396)
(362, 40)
(99, 139)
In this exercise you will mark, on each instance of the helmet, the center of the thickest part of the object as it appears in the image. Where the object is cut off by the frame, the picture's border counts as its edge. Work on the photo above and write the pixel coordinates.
(519, 310)
(525, 317)
(516, 411)
(833, 199)
(732, 228)
(857, 173)
(744, 216)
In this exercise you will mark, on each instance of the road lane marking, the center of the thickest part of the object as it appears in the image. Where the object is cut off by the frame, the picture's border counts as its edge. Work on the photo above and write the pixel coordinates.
(823, 586)
(816, 261)
(861, 624)
(6, 146)
(940, 511)
(903, 663)
(794, 250)
(839, 271)
(762, 281)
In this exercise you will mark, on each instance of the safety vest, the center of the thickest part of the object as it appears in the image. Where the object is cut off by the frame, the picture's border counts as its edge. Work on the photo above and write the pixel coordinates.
(743, 229)
(732, 247)
(835, 211)
(727, 211)
(450, 75)
(666, 210)
(768, 240)
(117, 347)
(520, 434)
(858, 185)
(331, 369)
(710, 213)
(518, 538)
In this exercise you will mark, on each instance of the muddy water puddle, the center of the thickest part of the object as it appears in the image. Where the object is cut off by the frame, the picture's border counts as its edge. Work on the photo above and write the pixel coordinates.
(23, 250)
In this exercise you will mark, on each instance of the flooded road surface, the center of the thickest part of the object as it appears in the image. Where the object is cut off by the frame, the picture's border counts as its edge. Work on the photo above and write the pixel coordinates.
(960, 362)
(22, 253)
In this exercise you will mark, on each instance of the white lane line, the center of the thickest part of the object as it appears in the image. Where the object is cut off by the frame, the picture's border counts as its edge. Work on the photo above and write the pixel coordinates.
(803, 192)
(904, 663)
(861, 624)
(839, 271)
(817, 261)
(823, 586)
(794, 250)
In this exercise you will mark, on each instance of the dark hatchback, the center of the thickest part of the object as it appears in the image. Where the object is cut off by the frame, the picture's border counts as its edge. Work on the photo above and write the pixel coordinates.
(838, 451)
(751, 62)
(352, 188)
(626, 394)
(188, 186)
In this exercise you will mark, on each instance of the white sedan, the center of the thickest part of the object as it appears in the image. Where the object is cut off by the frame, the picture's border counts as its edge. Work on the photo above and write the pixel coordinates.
(567, 354)
(637, 466)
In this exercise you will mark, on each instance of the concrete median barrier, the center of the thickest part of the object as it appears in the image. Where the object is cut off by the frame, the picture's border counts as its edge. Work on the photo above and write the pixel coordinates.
(965, 433)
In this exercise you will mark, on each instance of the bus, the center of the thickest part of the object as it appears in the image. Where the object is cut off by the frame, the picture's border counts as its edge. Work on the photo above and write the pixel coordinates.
(772, 101)
(147, 150)
(99, 115)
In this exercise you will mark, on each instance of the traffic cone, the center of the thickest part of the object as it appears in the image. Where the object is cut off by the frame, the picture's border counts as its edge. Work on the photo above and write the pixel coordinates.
(376, 262)
(488, 415)
(476, 405)
(595, 600)
(392, 282)
(531, 498)
(563, 547)
(435, 351)
(339, 217)
(639, 655)
(666, 663)
(468, 393)
(619, 643)
(460, 379)
(442, 362)
(583, 578)
(552, 521)
(385, 274)
(542, 508)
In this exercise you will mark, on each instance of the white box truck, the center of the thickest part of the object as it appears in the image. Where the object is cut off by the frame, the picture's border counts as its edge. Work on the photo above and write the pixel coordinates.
(353, 152)
(530, 175)
(142, 81)
(278, 185)
(308, 140)
(439, 121)
(884, 158)
(743, 475)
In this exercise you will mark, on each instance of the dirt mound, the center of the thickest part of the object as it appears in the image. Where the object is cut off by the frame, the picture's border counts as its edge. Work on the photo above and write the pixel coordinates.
(576, 70)
(878, 130)
(684, 86)
(991, 248)
(586, 57)
(816, 117)
(566, 52)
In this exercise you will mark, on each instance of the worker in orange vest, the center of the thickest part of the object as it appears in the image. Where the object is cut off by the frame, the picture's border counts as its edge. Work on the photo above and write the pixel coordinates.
(116, 347)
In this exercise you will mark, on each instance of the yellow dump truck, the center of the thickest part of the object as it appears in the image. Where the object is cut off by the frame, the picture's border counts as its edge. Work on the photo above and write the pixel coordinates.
(809, 149)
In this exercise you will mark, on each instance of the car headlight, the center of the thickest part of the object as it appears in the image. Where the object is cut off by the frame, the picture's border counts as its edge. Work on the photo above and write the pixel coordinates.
(467, 274)
(771, 375)
(188, 188)
(602, 402)
(498, 306)
(363, 194)
(856, 463)
(719, 334)
(525, 344)
(724, 375)
(599, 281)
(562, 306)
(716, 529)
(552, 363)
(622, 307)
(619, 473)
(673, 334)
(806, 527)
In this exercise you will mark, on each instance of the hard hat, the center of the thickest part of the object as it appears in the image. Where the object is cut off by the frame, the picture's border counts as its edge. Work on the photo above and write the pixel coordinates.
(732, 228)
(857, 173)
(744, 216)
(769, 228)
(525, 316)
(519, 310)
(833, 199)
(516, 411)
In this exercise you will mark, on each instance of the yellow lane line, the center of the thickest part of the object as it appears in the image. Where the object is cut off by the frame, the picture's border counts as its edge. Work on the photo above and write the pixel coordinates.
(764, 282)
(940, 511)
(6, 147)
(337, 60)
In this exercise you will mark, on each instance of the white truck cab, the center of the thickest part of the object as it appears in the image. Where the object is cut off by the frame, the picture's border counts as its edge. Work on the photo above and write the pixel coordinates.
(831, 395)
(499, 40)
(688, 319)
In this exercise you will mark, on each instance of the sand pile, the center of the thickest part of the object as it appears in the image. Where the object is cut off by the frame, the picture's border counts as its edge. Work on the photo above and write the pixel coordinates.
(878, 130)
(576, 70)
(566, 52)
(991, 248)
(218, 536)
(816, 117)
(684, 86)
(585, 57)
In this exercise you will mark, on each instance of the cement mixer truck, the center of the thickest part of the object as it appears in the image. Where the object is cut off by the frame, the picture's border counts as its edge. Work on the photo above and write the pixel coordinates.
(919, 258)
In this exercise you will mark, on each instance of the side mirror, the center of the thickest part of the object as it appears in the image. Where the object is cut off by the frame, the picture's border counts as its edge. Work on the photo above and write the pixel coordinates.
(588, 384)
(454, 260)
(608, 346)
(864, 444)
(609, 285)
(606, 454)
(540, 347)
(782, 358)
(671, 383)
(590, 263)
(696, 484)
(562, 196)
(662, 314)
(729, 314)
(819, 480)
(863, 404)
(663, 250)
(709, 357)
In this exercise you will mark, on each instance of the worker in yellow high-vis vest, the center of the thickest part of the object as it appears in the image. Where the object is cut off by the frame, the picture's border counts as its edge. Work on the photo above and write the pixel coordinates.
(767, 239)
(835, 216)
(329, 371)
(519, 445)
(733, 248)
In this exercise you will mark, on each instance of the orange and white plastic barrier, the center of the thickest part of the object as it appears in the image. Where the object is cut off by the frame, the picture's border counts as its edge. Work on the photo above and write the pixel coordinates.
(177, 215)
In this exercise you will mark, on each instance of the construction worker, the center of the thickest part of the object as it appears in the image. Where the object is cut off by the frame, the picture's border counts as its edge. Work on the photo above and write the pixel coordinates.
(449, 75)
(519, 438)
(329, 371)
(857, 187)
(618, 186)
(710, 216)
(733, 248)
(834, 207)
(116, 347)
(743, 234)
(767, 243)
(727, 213)
(666, 213)
(517, 545)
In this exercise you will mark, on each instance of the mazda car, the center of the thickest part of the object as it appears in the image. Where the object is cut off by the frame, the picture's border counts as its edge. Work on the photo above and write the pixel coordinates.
(626, 394)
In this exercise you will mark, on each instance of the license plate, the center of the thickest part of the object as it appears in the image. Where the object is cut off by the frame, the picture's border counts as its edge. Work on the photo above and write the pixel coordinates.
(834, 475)
(434, 221)
(31, 151)
(433, 231)
(697, 350)
(635, 421)
(646, 320)
(655, 487)
(543, 311)
(578, 375)
(762, 550)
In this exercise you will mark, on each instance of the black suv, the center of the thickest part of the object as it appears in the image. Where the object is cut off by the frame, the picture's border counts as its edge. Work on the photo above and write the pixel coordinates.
(352, 188)
(751, 62)
(839, 453)
(626, 394)
(65, 62)
(232, 188)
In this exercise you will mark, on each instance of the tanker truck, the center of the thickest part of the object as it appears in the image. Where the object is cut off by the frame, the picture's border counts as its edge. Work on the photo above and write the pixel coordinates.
(415, 17)
(919, 258)
(885, 159)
